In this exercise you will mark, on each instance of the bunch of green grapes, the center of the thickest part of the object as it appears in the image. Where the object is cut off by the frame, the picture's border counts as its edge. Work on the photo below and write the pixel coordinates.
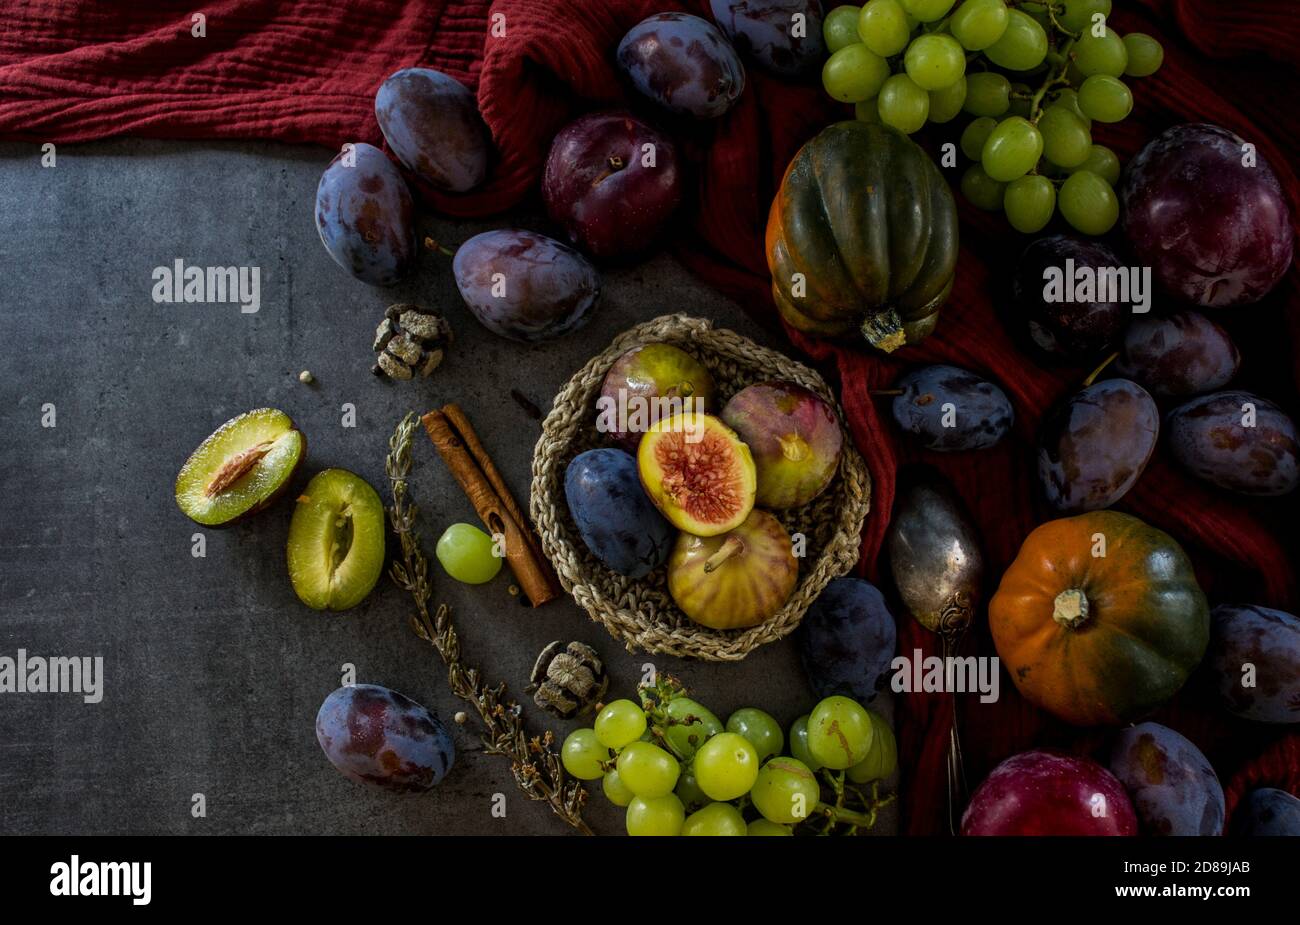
(679, 771)
(1035, 75)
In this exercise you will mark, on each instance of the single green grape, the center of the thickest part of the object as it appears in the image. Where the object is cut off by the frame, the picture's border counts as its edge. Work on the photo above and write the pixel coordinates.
(647, 770)
(468, 554)
(765, 827)
(946, 104)
(882, 26)
(1021, 104)
(1088, 202)
(726, 766)
(840, 28)
(614, 789)
(1066, 139)
(934, 61)
(1023, 45)
(1100, 54)
(854, 74)
(694, 723)
(1145, 54)
(839, 732)
(1029, 202)
(1012, 149)
(883, 757)
(987, 94)
(1078, 13)
(977, 24)
(1103, 162)
(903, 104)
(799, 743)
(688, 789)
(1105, 98)
(1068, 98)
(655, 816)
(582, 754)
(867, 110)
(973, 137)
(618, 723)
(786, 791)
(762, 731)
(928, 10)
(715, 819)
(981, 190)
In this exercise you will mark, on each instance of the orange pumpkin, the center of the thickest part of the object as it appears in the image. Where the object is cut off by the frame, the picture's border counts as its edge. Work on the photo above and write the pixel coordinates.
(1099, 619)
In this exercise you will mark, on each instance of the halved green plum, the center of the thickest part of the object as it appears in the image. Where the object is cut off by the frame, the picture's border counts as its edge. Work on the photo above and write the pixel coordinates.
(241, 468)
(336, 541)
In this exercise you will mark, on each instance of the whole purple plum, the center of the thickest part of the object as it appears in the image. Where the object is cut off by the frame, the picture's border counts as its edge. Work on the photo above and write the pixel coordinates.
(1254, 660)
(1208, 215)
(1075, 323)
(949, 408)
(365, 216)
(525, 286)
(433, 125)
(1237, 441)
(1267, 811)
(683, 63)
(374, 735)
(847, 640)
(1173, 787)
(1178, 355)
(782, 36)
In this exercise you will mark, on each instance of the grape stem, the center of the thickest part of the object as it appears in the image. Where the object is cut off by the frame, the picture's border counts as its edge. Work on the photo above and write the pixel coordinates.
(1053, 79)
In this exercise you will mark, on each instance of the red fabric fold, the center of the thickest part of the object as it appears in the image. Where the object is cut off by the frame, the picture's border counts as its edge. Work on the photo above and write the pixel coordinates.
(307, 70)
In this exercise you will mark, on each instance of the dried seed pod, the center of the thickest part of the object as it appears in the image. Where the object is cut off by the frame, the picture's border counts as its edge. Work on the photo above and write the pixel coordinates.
(410, 340)
(568, 680)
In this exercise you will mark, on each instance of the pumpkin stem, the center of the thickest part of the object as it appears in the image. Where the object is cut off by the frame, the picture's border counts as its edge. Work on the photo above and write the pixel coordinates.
(730, 546)
(884, 331)
(1070, 608)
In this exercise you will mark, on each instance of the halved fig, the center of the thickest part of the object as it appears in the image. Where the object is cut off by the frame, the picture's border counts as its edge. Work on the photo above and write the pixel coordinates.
(241, 468)
(698, 473)
(336, 541)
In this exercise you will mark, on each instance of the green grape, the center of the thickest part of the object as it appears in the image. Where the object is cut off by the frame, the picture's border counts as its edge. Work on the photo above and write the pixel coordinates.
(1105, 98)
(903, 104)
(764, 827)
(1103, 54)
(883, 27)
(726, 766)
(1069, 99)
(615, 790)
(977, 24)
(468, 554)
(619, 723)
(1012, 149)
(1029, 202)
(1088, 202)
(987, 94)
(1022, 47)
(799, 743)
(973, 137)
(883, 757)
(854, 74)
(1066, 139)
(786, 791)
(1145, 54)
(647, 770)
(656, 816)
(1103, 162)
(867, 110)
(934, 61)
(582, 754)
(1078, 13)
(928, 10)
(686, 736)
(1021, 104)
(839, 732)
(715, 819)
(762, 731)
(840, 28)
(981, 190)
(688, 789)
(945, 104)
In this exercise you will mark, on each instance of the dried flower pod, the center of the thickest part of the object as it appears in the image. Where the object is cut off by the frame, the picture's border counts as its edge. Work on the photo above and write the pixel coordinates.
(410, 340)
(568, 680)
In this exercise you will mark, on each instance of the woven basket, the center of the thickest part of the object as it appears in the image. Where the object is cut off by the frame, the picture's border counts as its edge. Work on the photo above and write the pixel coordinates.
(639, 611)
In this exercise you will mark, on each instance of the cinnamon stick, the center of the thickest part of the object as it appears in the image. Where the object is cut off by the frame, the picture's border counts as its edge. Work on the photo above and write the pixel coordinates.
(458, 445)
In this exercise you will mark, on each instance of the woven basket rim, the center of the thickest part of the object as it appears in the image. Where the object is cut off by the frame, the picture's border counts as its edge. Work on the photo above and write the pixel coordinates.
(640, 628)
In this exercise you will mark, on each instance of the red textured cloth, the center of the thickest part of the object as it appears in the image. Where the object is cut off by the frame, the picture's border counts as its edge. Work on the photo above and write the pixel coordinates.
(307, 70)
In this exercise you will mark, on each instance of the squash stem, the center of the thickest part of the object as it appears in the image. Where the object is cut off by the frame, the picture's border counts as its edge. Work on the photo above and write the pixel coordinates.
(884, 331)
(1070, 609)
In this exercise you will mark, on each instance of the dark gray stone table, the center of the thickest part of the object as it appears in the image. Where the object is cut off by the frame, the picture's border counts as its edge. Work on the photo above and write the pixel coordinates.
(213, 669)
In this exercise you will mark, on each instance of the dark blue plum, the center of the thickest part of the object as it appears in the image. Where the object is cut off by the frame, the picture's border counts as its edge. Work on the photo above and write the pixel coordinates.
(1174, 789)
(1254, 661)
(948, 408)
(1267, 811)
(616, 520)
(366, 217)
(683, 63)
(377, 736)
(433, 125)
(782, 36)
(847, 640)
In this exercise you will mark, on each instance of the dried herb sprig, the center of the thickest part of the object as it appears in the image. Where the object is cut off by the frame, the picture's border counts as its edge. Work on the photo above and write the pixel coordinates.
(534, 761)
